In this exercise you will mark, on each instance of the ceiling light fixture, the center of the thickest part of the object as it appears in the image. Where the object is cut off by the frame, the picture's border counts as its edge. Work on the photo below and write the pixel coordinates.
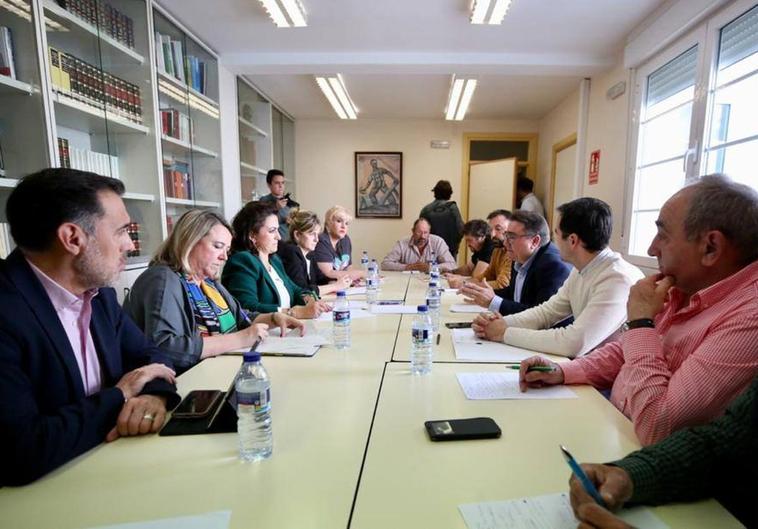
(497, 14)
(461, 92)
(334, 89)
(295, 13)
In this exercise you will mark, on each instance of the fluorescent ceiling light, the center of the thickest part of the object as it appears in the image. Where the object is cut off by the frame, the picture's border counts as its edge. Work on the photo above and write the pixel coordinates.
(276, 9)
(336, 93)
(481, 7)
(461, 92)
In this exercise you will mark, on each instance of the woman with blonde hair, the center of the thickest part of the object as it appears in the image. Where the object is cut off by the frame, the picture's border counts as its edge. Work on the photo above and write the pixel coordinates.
(333, 250)
(297, 255)
(179, 304)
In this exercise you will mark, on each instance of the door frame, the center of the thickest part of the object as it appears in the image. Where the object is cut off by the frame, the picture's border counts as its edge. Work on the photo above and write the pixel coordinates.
(559, 146)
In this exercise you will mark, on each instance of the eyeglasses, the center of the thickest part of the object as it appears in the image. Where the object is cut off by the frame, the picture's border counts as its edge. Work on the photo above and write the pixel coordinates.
(510, 236)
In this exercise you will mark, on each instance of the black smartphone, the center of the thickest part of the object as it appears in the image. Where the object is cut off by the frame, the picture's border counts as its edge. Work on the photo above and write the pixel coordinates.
(462, 429)
(198, 403)
(459, 324)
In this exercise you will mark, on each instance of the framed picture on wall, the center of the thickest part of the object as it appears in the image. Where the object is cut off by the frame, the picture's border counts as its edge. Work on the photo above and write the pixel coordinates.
(379, 185)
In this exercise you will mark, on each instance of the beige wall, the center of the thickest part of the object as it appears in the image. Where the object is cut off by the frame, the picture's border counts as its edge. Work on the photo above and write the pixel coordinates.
(555, 126)
(325, 167)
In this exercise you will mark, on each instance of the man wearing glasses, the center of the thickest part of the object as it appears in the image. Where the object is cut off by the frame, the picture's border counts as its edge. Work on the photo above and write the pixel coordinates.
(595, 292)
(537, 271)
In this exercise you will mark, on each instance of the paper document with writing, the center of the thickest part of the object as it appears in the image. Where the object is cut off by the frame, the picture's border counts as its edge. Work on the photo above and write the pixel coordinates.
(467, 308)
(552, 511)
(494, 386)
(211, 520)
(469, 347)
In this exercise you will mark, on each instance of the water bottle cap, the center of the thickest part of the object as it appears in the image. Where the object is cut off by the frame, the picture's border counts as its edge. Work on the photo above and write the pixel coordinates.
(251, 357)
(341, 293)
(422, 308)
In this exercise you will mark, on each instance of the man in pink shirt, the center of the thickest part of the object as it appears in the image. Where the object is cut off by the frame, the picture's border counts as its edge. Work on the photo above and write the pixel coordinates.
(690, 344)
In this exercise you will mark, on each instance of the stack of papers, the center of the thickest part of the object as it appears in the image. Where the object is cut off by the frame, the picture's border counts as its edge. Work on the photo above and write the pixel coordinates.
(498, 386)
(551, 511)
(469, 347)
(467, 308)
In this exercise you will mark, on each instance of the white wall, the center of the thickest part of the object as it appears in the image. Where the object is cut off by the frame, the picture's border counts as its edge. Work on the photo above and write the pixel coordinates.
(560, 122)
(325, 167)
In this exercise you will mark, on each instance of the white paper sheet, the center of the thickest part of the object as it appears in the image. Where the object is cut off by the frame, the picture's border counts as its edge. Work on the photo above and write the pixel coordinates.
(211, 520)
(411, 271)
(504, 385)
(467, 308)
(468, 347)
(355, 314)
(450, 291)
(394, 309)
(354, 291)
(552, 511)
(357, 305)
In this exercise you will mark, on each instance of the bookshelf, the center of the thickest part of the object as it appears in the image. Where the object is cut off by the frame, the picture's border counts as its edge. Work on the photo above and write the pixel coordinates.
(188, 93)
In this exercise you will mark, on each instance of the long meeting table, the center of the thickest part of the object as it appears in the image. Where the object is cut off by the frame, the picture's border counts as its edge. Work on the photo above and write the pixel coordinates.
(350, 450)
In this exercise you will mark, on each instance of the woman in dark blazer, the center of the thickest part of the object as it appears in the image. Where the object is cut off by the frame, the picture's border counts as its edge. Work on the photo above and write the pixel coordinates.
(296, 256)
(255, 275)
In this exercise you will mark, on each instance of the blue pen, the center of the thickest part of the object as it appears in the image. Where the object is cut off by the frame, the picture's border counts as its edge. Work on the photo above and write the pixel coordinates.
(579, 473)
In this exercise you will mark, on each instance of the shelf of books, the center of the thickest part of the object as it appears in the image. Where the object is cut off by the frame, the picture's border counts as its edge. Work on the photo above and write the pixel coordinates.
(255, 140)
(23, 126)
(187, 82)
(102, 100)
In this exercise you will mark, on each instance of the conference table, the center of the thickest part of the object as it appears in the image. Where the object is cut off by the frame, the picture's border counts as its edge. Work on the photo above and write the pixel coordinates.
(350, 448)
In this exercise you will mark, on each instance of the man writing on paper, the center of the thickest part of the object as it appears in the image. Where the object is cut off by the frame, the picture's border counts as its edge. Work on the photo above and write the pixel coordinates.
(594, 294)
(718, 459)
(74, 370)
(418, 250)
(690, 344)
(538, 270)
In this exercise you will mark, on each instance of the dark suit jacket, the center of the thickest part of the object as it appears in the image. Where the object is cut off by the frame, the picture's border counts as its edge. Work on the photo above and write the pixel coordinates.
(45, 417)
(543, 279)
(295, 266)
(248, 281)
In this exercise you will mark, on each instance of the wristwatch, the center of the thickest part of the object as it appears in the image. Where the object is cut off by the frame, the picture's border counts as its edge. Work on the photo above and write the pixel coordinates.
(636, 324)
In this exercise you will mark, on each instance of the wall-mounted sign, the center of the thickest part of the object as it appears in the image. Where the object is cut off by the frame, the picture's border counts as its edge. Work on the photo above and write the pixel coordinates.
(594, 167)
(439, 144)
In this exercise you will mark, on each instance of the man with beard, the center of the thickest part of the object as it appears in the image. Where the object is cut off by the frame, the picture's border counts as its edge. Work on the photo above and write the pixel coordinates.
(74, 370)
(418, 250)
(498, 272)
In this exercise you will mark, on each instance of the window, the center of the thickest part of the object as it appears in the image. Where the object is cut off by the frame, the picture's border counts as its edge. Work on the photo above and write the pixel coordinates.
(697, 114)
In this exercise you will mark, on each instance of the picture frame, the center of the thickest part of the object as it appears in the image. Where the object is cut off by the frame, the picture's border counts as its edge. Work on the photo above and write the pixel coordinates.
(378, 184)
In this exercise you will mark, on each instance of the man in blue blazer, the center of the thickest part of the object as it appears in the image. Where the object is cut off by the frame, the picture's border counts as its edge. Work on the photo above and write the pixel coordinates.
(537, 271)
(74, 370)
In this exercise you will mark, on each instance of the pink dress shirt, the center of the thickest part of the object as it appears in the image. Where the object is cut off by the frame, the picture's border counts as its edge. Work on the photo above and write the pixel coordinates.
(75, 314)
(685, 372)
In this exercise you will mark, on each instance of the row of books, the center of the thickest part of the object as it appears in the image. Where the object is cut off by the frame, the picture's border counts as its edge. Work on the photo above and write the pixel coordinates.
(89, 84)
(6, 241)
(177, 125)
(174, 62)
(7, 57)
(86, 160)
(103, 15)
(177, 180)
(134, 234)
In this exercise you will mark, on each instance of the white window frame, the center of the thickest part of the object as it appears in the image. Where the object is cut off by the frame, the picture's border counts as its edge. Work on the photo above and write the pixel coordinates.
(706, 37)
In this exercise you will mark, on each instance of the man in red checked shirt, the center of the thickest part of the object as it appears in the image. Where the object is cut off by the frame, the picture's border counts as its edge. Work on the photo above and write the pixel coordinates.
(688, 347)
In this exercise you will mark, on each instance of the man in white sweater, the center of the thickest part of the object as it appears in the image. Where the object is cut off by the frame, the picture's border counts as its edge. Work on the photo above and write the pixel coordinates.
(595, 292)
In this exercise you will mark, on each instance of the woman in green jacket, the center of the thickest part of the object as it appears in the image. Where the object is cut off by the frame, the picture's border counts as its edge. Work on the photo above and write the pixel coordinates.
(254, 274)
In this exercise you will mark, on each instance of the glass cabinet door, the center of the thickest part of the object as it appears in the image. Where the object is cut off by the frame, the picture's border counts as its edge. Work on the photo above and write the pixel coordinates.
(254, 117)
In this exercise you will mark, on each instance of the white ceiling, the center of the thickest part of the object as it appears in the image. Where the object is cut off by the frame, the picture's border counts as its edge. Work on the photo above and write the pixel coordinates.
(397, 56)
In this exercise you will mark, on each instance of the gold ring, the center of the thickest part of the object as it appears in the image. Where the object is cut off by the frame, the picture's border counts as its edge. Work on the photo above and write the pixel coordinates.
(148, 417)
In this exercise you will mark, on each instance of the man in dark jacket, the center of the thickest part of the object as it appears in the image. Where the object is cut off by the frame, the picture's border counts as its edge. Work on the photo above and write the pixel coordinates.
(74, 369)
(538, 271)
(444, 217)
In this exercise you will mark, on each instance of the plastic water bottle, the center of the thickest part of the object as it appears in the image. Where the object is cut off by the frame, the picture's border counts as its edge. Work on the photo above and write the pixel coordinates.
(434, 267)
(364, 261)
(433, 302)
(253, 389)
(341, 319)
(421, 343)
(372, 282)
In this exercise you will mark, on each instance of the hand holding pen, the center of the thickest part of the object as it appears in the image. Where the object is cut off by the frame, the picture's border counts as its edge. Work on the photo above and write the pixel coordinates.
(537, 372)
(614, 487)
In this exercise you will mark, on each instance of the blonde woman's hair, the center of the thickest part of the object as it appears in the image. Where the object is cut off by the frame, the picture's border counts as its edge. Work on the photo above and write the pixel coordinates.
(187, 232)
(333, 212)
(302, 222)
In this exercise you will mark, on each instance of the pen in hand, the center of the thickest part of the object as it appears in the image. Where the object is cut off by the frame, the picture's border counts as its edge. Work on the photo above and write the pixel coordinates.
(543, 369)
(582, 477)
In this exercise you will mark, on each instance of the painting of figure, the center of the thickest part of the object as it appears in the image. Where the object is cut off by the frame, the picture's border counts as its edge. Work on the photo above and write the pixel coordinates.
(378, 184)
